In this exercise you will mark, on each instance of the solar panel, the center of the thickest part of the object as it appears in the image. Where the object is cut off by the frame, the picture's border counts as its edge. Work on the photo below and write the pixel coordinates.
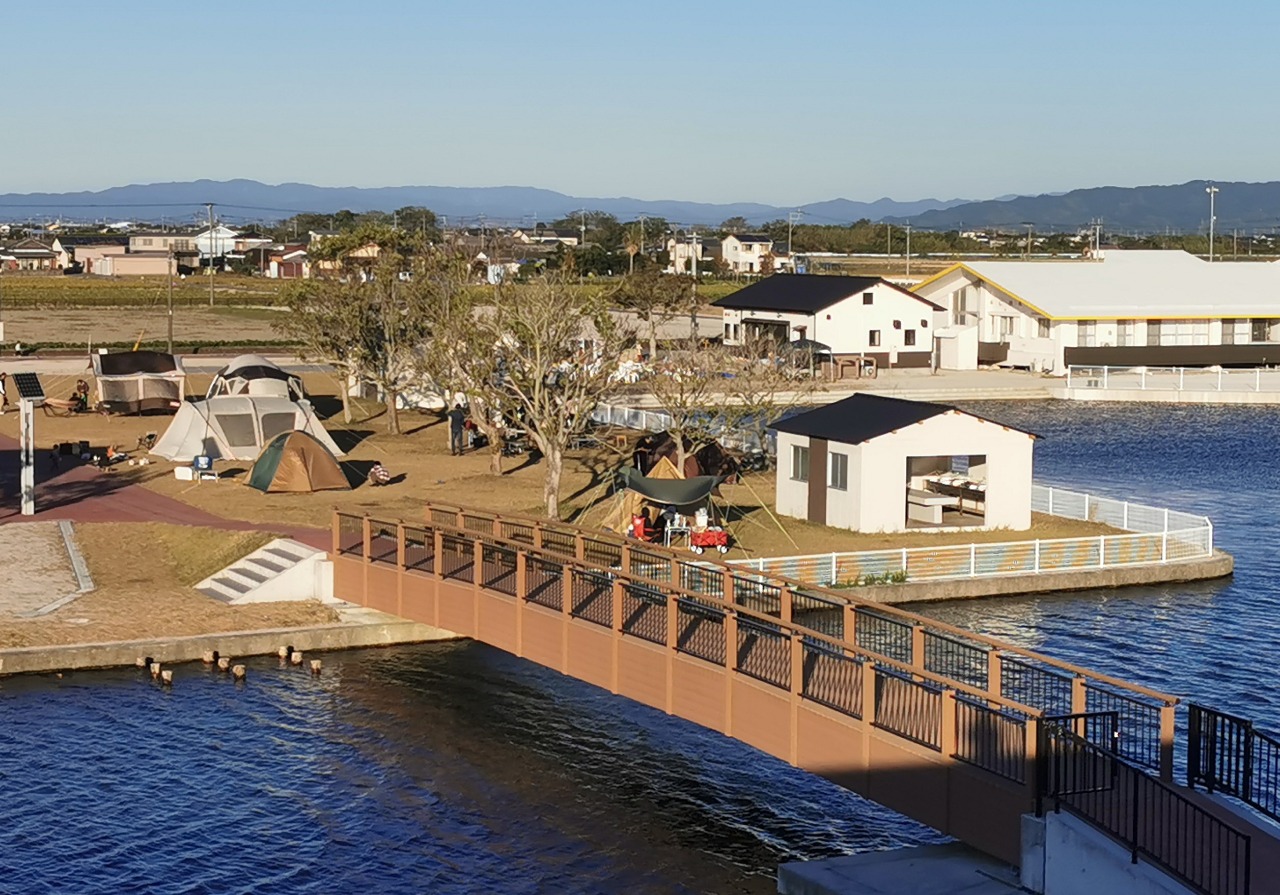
(28, 385)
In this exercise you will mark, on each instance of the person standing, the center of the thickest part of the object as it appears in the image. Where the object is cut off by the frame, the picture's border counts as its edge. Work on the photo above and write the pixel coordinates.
(4, 392)
(457, 420)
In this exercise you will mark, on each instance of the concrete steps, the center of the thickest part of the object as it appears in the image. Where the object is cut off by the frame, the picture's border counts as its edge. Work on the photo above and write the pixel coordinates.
(284, 569)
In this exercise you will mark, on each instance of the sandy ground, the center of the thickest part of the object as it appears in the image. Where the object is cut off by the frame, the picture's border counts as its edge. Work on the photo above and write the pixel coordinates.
(34, 568)
(117, 325)
(144, 574)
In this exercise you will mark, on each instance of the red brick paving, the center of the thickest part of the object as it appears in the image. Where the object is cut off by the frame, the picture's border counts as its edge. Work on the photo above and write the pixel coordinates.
(82, 493)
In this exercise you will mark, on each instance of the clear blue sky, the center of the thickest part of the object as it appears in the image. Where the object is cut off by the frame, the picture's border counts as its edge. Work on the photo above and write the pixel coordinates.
(778, 102)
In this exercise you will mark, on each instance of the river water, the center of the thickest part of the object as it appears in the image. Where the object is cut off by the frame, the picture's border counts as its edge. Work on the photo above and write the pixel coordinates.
(455, 768)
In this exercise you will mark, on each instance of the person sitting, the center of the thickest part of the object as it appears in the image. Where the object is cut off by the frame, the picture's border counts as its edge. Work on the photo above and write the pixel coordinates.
(641, 528)
(378, 474)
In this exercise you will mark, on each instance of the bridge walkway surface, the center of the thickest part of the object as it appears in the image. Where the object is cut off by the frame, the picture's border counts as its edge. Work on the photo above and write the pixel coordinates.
(955, 729)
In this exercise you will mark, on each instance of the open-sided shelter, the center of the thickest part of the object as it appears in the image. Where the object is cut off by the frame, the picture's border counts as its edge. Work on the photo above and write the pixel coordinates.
(139, 382)
(877, 464)
(236, 427)
(663, 486)
(251, 374)
(296, 461)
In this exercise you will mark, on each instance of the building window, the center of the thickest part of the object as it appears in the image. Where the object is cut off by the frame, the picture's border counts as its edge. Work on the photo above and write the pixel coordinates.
(1087, 333)
(735, 332)
(1126, 333)
(839, 478)
(1042, 329)
(1229, 330)
(1261, 330)
(960, 306)
(728, 332)
(799, 463)
(873, 338)
(1004, 327)
(908, 337)
(868, 298)
(1153, 332)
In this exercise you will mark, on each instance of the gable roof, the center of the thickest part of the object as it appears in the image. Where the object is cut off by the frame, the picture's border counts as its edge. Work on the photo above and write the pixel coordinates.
(805, 293)
(863, 417)
(1130, 284)
(749, 237)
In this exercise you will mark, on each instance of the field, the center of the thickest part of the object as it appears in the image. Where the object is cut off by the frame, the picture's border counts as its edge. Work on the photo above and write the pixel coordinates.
(424, 470)
(40, 291)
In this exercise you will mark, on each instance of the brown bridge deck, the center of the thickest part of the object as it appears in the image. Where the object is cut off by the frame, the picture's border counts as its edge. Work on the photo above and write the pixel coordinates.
(942, 724)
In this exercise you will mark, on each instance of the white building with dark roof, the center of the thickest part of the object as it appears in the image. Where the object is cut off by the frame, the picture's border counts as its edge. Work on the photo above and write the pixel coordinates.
(744, 253)
(1130, 308)
(877, 464)
(855, 317)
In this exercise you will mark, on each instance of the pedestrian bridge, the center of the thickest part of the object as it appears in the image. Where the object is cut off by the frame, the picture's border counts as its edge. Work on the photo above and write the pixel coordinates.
(957, 730)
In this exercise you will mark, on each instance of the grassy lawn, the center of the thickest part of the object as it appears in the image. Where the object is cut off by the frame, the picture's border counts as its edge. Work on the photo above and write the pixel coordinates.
(144, 573)
(425, 471)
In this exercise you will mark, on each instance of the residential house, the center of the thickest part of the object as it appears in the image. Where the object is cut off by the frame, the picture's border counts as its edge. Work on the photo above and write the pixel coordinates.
(137, 264)
(542, 234)
(289, 262)
(30, 254)
(71, 249)
(872, 463)
(162, 241)
(743, 253)
(217, 242)
(1123, 308)
(856, 317)
(692, 254)
(89, 256)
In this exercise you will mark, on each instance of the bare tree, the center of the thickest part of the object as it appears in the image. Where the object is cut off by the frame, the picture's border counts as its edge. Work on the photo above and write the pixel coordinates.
(657, 297)
(325, 318)
(765, 387)
(689, 385)
(558, 348)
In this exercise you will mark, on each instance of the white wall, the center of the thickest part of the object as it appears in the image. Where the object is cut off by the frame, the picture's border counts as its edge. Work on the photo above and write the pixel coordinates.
(790, 498)
(882, 493)
(1062, 855)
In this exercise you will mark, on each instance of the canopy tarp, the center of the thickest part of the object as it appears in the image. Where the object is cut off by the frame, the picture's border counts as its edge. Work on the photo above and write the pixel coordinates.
(677, 492)
(128, 363)
(296, 461)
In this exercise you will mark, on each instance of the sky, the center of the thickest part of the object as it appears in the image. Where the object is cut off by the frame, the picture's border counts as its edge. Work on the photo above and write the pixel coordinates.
(778, 102)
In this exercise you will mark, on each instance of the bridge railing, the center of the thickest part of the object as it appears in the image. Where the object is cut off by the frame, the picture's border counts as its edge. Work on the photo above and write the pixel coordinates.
(647, 601)
(1002, 670)
(1147, 816)
(1227, 754)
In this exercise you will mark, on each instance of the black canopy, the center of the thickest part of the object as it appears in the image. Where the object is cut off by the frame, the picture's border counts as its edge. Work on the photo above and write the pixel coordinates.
(677, 492)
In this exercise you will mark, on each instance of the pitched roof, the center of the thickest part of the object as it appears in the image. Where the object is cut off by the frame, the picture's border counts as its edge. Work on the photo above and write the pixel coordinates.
(750, 237)
(864, 417)
(1132, 284)
(804, 293)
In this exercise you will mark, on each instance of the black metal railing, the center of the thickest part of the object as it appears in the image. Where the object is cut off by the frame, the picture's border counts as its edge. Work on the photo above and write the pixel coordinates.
(954, 658)
(832, 677)
(1227, 754)
(700, 630)
(991, 738)
(1148, 817)
(644, 613)
(764, 652)
(912, 709)
(1031, 683)
(884, 635)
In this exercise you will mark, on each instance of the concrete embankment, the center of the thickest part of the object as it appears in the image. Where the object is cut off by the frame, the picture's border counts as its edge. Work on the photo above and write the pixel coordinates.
(1166, 396)
(1219, 565)
(359, 628)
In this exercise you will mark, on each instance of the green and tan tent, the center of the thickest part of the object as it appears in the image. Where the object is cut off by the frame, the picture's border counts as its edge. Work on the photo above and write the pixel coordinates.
(296, 461)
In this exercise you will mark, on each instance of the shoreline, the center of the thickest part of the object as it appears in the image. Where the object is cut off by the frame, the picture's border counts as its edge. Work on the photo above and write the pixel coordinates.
(360, 628)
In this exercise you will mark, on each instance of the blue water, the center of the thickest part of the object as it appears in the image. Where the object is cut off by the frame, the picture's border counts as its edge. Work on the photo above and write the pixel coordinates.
(455, 768)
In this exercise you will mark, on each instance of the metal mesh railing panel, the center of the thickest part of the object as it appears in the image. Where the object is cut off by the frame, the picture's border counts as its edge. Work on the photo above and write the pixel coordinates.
(764, 652)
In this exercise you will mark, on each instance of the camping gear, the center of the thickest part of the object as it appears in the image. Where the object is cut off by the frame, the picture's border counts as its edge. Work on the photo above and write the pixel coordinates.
(296, 461)
(236, 427)
(664, 488)
(138, 382)
(251, 374)
(707, 538)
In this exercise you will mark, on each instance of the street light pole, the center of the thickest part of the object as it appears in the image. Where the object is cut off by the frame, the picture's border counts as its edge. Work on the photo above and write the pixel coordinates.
(210, 205)
(1212, 191)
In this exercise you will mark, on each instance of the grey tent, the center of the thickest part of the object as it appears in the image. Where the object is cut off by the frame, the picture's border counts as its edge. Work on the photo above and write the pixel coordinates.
(252, 374)
(139, 382)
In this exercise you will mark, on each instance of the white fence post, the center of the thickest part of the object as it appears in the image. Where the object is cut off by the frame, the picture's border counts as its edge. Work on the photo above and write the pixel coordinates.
(973, 560)
(833, 568)
(1144, 378)
(1257, 379)
(1166, 518)
(1069, 371)
(1105, 371)
(1164, 546)
(1219, 378)
(1050, 500)
(1182, 372)
(904, 560)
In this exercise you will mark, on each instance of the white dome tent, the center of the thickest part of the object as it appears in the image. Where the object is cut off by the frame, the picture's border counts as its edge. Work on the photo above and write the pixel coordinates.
(236, 427)
(251, 374)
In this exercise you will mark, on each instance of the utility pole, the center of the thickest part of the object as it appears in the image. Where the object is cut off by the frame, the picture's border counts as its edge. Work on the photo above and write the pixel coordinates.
(582, 228)
(1027, 254)
(1235, 244)
(908, 250)
(209, 205)
(792, 218)
(172, 270)
(888, 245)
(1213, 192)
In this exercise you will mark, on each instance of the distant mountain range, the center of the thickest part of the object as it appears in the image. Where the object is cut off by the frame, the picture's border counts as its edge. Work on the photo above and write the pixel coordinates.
(1144, 209)
(1148, 209)
(240, 200)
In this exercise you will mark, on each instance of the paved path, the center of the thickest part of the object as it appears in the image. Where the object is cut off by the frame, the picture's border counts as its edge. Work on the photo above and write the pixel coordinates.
(34, 568)
(82, 493)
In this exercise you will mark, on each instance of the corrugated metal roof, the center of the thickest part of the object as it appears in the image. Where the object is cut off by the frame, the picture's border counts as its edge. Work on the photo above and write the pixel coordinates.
(1137, 284)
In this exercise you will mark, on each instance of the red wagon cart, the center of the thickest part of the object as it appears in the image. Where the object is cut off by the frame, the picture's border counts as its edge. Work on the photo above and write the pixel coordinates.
(709, 537)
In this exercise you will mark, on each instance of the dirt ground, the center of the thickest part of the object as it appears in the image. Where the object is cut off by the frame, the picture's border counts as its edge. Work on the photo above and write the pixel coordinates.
(97, 326)
(423, 470)
(144, 575)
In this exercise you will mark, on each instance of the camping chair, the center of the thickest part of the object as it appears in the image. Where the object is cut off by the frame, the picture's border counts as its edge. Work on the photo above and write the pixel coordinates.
(146, 442)
(203, 468)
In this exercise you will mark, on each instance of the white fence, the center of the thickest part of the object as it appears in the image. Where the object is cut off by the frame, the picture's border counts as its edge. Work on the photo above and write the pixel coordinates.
(660, 421)
(1154, 536)
(1177, 379)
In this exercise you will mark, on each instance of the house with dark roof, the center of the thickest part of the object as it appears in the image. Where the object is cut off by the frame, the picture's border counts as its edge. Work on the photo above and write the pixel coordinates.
(857, 318)
(872, 463)
(744, 252)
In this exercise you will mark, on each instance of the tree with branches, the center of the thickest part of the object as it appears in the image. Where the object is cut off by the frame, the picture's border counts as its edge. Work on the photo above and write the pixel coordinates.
(558, 349)
(656, 298)
(326, 319)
